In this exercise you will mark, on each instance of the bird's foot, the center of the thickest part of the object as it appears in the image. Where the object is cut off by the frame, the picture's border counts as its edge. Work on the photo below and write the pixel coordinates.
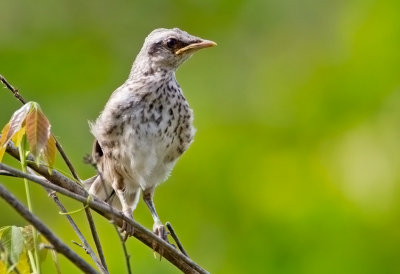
(127, 229)
(160, 231)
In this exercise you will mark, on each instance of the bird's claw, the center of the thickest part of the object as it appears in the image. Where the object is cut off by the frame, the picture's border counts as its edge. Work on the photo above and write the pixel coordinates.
(160, 231)
(126, 228)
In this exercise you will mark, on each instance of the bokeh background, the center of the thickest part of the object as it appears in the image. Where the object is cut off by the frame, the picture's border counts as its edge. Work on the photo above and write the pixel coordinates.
(295, 165)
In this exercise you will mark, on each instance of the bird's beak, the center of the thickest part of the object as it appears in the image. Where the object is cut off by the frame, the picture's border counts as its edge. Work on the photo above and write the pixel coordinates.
(196, 46)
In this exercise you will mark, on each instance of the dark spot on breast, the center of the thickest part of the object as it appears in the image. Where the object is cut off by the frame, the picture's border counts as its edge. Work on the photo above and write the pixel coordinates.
(111, 129)
(179, 150)
(145, 96)
(158, 121)
(149, 72)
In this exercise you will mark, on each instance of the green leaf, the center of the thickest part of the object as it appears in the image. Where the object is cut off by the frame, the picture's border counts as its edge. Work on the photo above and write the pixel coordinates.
(42, 251)
(13, 242)
(55, 261)
(2, 229)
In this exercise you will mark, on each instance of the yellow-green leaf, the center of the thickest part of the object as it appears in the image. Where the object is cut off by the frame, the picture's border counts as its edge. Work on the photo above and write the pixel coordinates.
(2, 229)
(49, 153)
(37, 131)
(17, 138)
(3, 269)
(3, 138)
(23, 264)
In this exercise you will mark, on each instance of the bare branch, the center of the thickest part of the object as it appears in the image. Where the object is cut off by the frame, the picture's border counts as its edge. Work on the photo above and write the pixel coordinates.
(58, 245)
(12, 89)
(96, 238)
(6, 173)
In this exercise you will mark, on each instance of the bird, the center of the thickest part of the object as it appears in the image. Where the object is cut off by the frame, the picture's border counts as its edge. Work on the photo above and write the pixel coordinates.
(145, 126)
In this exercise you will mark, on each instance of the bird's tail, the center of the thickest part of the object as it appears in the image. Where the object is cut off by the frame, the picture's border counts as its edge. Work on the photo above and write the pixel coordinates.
(96, 187)
(88, 182)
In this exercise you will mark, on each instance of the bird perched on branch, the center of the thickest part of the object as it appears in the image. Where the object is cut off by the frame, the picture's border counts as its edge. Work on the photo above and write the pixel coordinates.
(145, 126)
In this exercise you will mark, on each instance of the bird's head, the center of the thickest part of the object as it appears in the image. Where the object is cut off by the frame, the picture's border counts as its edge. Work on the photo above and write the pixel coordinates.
(169, 48)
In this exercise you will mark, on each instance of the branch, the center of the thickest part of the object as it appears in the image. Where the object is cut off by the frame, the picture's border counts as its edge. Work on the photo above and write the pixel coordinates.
(176, 239)
(13, 90)
(58, 245)
(86, 245)
(96, 238)
(141, 233)
(92, 226)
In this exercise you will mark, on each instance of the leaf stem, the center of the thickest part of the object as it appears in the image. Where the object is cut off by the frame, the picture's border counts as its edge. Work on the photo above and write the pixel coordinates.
(22, 156)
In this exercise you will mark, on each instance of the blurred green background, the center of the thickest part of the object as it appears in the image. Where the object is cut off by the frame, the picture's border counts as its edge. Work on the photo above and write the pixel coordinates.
(295, 164)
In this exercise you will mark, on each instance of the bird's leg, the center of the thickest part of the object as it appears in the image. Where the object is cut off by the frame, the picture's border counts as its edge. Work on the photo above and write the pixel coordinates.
(158, 227)
(127, 210)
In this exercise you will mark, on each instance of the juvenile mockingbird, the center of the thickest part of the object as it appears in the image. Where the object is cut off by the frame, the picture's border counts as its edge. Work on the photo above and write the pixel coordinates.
(145, 126)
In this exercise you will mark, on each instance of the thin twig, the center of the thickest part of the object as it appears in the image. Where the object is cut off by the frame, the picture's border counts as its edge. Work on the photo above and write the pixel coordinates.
(6, 173)
(96, 238)
(59, 246)
(86, 245)
(47, 246)
(81, 246)
(13, 90)
(92, 226)
(182, 262)
(177, 241)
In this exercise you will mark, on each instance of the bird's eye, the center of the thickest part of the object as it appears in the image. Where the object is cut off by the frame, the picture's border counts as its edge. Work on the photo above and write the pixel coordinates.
(171, 43)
